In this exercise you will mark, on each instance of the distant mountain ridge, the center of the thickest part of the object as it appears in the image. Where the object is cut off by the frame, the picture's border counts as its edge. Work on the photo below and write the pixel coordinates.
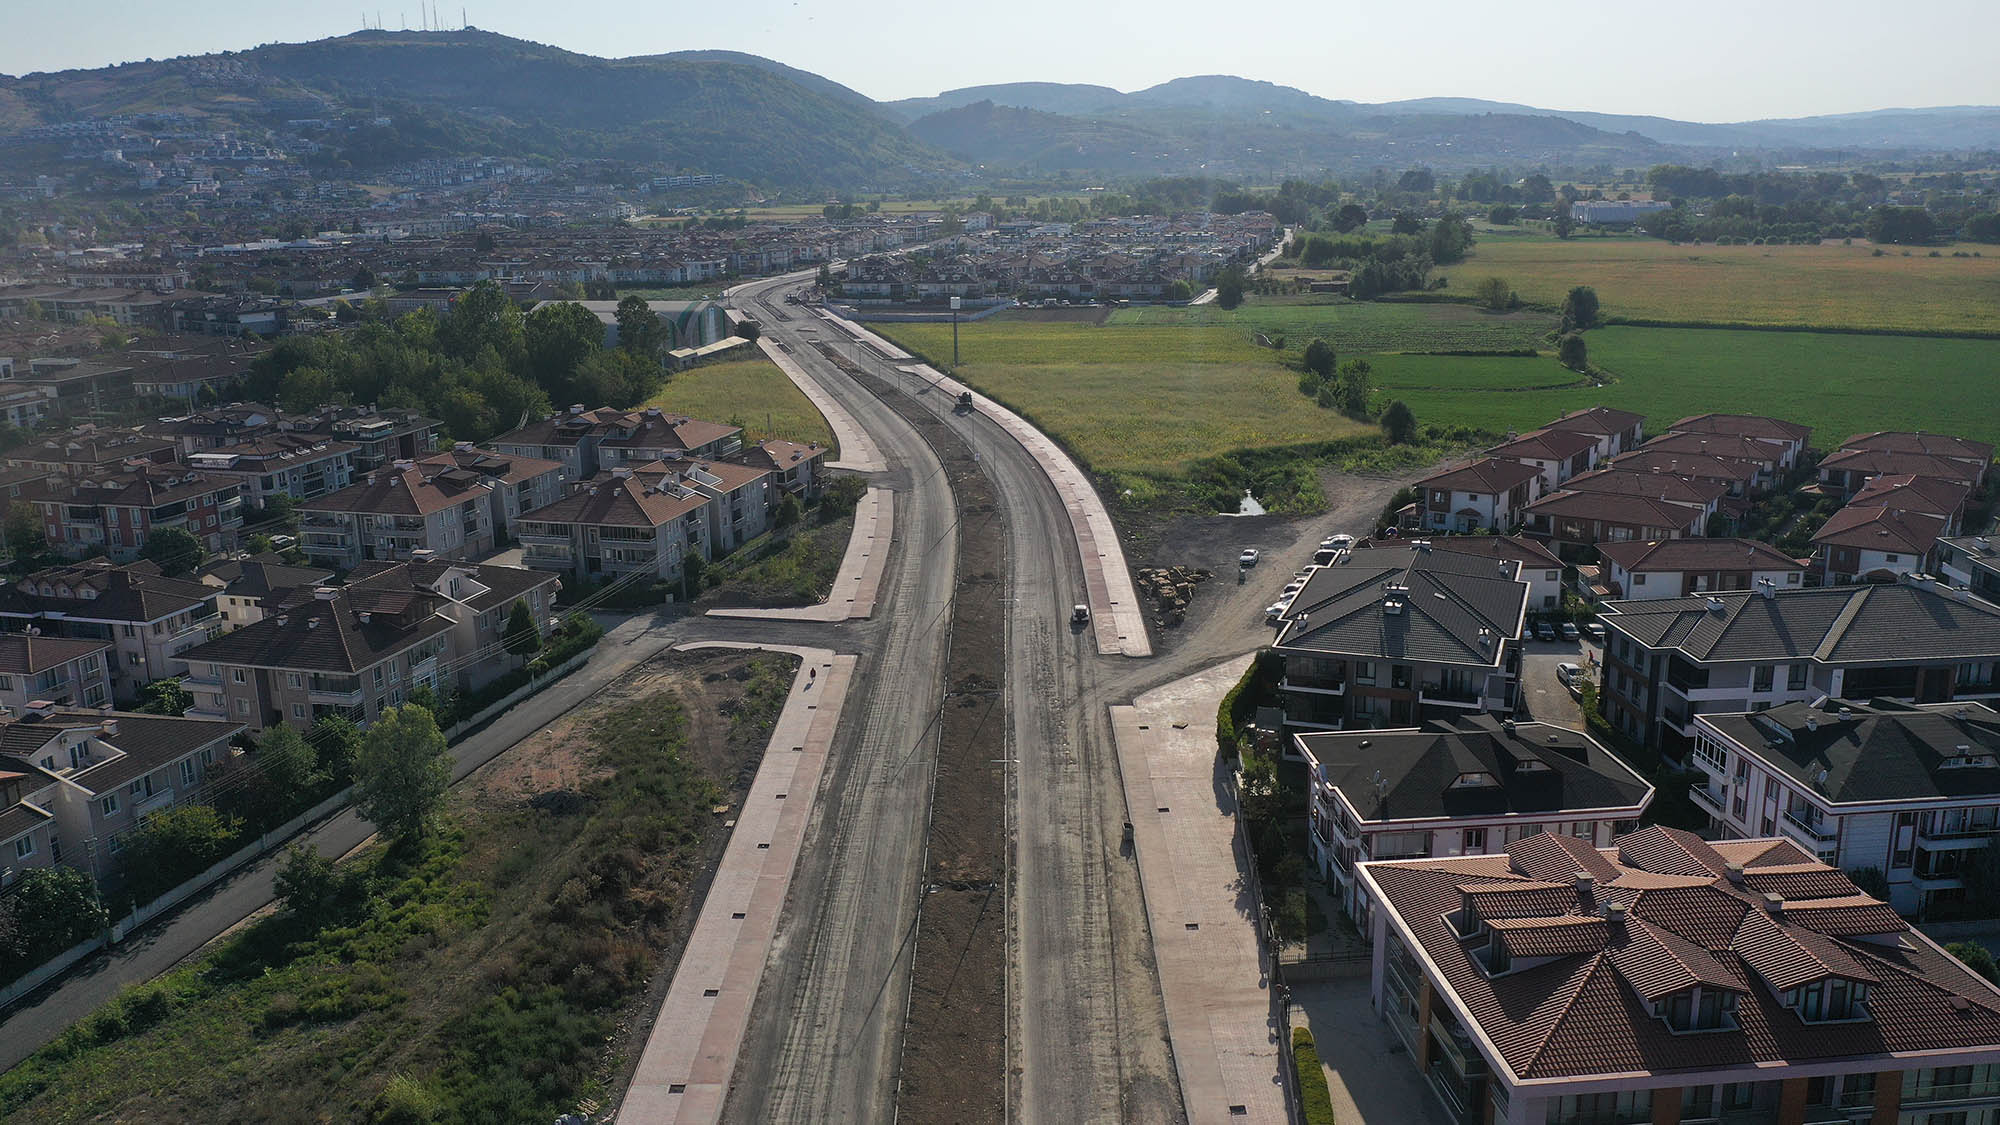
(471, 92)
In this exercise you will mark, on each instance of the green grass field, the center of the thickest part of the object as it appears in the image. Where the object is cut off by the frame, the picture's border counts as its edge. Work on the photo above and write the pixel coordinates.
(1827, 286)
(1838, 384)
(751, 393)
(1135, 397)
(1357, 327)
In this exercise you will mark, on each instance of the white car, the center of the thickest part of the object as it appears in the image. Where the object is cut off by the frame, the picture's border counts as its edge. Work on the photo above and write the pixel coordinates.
(1569, 675)
(1248, 557)
(1337, 543)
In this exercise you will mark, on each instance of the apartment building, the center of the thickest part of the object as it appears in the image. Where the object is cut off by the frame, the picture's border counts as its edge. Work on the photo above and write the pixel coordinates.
(576, 437)
(117, 513)
(1614, 431)
(520, 484)
(87, 452)
(1678, 568)
(1848, 471)
(1943, 499)
(245, 586)
(1462, 786)
(1384, 638)
(1573, 521)
(1667, 979)
(380, 437)
(299, 466)
(1738, 478)
(1539, 567)
(29, 838)
(1971, 562)
(1793, 437)
(649, 519)
(1557, 455)
(98, 774)
(796, 469)
(392, 512)
(1670, 660)
(1908, 790)
(149, 621)
(1974, 455)
(1870, 544)
(63, 671)
(1768, 456)
(1489, 494)
(1708, 497)
(358, 649)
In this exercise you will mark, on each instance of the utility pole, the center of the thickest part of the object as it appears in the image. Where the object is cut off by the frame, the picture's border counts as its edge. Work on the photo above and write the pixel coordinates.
(955, 301)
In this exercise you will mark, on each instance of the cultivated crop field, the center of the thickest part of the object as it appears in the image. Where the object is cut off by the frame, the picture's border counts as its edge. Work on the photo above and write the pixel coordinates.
(1827, 286)
(1357, 327)
(751, 393)
(1839, 384)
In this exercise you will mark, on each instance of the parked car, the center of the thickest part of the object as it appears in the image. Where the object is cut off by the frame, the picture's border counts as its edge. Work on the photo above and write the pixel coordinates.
(1324, 556)
(1571, 676)
(1568, 630)
(1545, 632)
(1596, 631)
(1248, 557)
(1338, 543)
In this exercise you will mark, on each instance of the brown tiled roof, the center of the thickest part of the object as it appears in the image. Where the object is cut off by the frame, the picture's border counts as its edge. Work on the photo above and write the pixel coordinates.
(1745, 425)
(1670, 851)
(1545, 445)
(24, 655)
(1555, 858)
(1638, 511)
(1882, 461)
(1487, 475)
(135, 592)
(1587, 1010)
(315, 634)
(1799, 880)
(1697, 554)
(1597, 420)
(1658, 485)
(618, 502)
(415, 491)
(508, 467)
(1882, 529)
(1646, 459)
(1718, 445)
(1913, 494)
(1936, 445)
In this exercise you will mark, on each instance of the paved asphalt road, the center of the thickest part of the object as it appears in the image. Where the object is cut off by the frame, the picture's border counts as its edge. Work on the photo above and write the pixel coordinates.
(825, 1041)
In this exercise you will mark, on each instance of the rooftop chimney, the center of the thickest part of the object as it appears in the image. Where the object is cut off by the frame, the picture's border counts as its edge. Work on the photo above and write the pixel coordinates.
(1735, 873)
(1775, 903)
(325, 593)
(1614, 915)
(1812, 722)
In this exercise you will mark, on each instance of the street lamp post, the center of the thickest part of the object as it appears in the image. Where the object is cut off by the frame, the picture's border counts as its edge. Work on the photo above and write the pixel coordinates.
(955, 302)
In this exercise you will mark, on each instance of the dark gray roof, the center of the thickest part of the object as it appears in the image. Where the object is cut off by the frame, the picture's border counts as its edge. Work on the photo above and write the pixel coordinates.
(1535, 768)
(262, 575)
(1832, 625)
(1419, 605)
(1878, 751)
(148, 741)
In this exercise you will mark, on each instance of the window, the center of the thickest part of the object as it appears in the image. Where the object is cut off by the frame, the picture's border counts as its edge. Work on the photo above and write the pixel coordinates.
(298, 710)
(1762, 677)
(1364, 671)
(1638, 580)
(242, 707)
(294, 679)
(109, 805)
(188, 772)
(6, 683)
(1474, 842)
(238, 675)
(1795, 678)
(24, 847)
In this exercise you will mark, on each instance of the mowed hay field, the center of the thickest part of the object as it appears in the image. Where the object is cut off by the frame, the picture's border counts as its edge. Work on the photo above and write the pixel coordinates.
(751, 393)
(1839, 384)
(1359, 327)
(1829, 286)
(1135, 397)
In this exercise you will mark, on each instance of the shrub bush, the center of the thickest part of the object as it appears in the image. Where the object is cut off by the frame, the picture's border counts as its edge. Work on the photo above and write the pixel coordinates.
(1315, 1099)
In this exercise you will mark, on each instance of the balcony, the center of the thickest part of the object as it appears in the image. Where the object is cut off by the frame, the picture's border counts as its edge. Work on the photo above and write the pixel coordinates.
(334, 696)
(1820, 836)
(154, 803)
(1956, 1095)
(1452, 696)
(1955, 839)
(1713, 803)
(1319, 685)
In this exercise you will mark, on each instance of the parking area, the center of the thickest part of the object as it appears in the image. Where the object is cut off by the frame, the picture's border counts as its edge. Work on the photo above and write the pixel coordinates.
(1542, 694)
(1370, 1073)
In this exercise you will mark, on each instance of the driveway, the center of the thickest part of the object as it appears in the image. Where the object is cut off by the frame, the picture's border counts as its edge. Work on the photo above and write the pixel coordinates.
(1373, 1079)
(1543, 695)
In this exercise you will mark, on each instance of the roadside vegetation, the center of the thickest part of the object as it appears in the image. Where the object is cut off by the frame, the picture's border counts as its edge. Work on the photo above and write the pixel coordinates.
(751, 393)
(796, 565)
(478, 967)
(1315, 1099)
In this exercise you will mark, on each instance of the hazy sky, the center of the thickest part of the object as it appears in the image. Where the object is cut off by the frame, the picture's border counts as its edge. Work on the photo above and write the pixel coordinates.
(1691, 59)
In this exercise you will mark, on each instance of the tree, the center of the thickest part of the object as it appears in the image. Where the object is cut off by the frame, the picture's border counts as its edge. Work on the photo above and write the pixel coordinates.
(1406, 222)
(1320, 358)
(1229, 288)
(1399, 423)
(1983, 228)
(165, 697)
(1571, 352)
(638, 326)
(1565, 223)
(336, 741)
(173, 845)
(523, 636)
(1351, 217)
(1495, 294)
(1451, 237)
(483, 317)
(48, 910)
(401, 771)
(288, 769)
(482, 243)
(27, 538)
(749, 330)
(1871, 882)
(1901, 225)
(308, 887)
(1178, 290)
(363, 279)
(1356, 384)
(559, 337)
(174, 550)
(1976, 957)
(1503, 214)
(1579, 309)
(789, 511)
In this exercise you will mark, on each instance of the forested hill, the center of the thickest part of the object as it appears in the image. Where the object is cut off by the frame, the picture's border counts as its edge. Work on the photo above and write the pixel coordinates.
(473, 92)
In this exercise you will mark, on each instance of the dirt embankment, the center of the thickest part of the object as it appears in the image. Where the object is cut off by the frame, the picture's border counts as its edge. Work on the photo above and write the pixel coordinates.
(954, 1044)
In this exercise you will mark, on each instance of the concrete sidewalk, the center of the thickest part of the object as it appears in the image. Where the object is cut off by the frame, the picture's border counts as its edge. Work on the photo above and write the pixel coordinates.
(858, 451)
(860, 577)
(683, 1074)
(1214, 972)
